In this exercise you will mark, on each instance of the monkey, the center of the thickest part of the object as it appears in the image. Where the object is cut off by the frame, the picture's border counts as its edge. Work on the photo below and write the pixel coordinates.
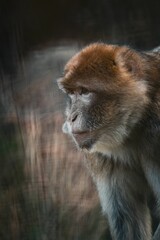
(113, 117)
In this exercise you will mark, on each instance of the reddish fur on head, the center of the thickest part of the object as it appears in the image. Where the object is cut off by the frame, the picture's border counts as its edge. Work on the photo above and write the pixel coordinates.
(111, 65)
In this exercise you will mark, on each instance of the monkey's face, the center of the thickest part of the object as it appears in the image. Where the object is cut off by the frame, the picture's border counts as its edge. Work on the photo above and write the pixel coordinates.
(105, 101)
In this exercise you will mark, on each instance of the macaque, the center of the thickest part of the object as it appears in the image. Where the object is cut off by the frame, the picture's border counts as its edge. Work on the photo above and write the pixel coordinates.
(113, 116)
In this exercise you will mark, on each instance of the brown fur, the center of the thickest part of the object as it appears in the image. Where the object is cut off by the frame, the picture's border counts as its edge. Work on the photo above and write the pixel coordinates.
(114, 117)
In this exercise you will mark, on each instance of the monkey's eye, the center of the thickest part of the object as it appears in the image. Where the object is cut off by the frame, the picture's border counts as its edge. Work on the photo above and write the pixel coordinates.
(84, 91)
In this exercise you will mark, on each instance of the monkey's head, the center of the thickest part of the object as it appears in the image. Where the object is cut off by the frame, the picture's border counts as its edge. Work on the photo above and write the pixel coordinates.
(107, 95)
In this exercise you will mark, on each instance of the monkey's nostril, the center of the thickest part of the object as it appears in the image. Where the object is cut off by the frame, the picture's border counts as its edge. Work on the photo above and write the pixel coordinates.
(74, 117)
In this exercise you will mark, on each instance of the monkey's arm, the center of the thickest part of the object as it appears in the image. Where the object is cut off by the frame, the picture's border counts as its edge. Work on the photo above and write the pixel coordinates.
(124, 204)
(123, 198)
(150, 159)
(152, 172)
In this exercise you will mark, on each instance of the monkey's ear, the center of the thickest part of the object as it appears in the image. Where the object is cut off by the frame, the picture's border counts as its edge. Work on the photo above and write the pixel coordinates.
(130, 61)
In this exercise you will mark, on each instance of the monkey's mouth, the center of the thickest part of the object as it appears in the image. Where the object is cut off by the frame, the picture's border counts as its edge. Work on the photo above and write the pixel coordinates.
(85, 139)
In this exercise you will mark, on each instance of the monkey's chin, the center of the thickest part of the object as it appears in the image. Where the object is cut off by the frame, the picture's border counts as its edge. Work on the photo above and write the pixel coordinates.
(84, 141)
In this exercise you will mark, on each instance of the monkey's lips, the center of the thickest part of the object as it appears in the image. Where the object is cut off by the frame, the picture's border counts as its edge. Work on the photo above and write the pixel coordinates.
(84, 139)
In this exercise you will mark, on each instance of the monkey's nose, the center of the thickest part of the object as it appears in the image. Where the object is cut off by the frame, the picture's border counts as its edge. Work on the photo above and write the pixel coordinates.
(74, 117)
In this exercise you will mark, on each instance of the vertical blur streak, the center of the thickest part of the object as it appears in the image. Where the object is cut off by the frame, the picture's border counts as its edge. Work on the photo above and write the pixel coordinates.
(45, 190)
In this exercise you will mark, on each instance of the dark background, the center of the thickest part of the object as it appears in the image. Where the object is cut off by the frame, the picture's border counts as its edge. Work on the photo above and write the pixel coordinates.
(45, 191)
(28, 24)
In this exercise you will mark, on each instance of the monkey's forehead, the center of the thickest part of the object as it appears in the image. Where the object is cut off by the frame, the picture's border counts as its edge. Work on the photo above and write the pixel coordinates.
(93, 57)
(103, 67)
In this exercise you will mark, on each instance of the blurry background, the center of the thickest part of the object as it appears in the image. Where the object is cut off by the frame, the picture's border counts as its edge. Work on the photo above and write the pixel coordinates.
(45, 191)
